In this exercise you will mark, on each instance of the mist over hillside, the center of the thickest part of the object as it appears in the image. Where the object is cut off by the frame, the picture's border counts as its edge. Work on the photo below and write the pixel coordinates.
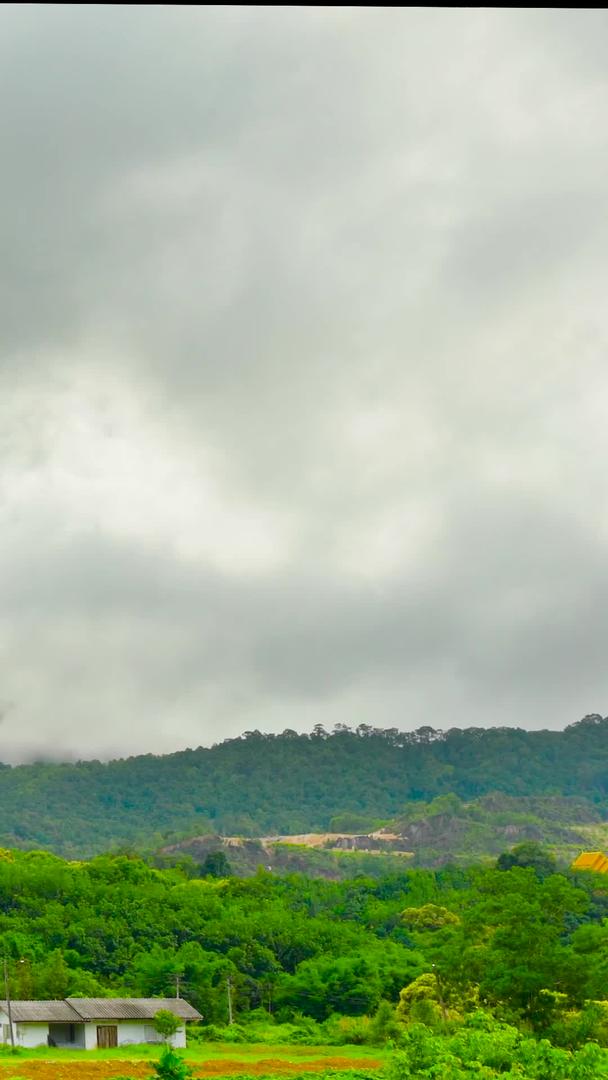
(291, 783)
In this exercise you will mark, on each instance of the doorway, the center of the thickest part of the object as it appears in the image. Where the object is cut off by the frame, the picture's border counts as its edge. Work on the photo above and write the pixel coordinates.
(107, 1036)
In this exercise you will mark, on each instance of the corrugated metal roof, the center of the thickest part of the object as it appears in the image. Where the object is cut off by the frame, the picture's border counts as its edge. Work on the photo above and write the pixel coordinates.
(53, 1012)
(131, 1008)
(75, 1010)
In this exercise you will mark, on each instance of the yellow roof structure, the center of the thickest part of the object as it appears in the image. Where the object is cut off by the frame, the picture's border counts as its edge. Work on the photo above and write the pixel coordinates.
(591, 860)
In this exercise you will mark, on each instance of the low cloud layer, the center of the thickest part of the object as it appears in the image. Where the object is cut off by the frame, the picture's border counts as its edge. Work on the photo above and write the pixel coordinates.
(302, 383)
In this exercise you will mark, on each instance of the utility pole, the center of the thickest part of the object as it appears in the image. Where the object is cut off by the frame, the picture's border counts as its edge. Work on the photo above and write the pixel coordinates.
(229, 991)
(177, 978)
(7, 994)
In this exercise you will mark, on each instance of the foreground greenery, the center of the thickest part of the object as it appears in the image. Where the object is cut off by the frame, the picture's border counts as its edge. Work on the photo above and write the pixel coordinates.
(311, 961)
(290, 784)
(484, 1050)
(246, 1055)
(478, 1049)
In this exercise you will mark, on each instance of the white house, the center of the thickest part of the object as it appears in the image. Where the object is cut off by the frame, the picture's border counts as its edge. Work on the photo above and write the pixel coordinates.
(88, 1023)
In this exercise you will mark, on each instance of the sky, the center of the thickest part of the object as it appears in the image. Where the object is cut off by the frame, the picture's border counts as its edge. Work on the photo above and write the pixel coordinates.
(303, 383)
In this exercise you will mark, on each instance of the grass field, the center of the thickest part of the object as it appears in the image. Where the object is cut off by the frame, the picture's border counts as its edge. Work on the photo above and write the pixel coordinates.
(207, 1060)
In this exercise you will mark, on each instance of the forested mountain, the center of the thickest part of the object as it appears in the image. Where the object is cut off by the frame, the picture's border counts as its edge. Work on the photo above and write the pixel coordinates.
(266, 784)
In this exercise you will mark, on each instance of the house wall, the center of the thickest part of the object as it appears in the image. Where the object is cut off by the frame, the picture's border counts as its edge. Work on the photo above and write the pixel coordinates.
(133, 1031)
(28, 1035)
(141, 1031)
(179, 1039)
(90, 1036)
(31, 1035)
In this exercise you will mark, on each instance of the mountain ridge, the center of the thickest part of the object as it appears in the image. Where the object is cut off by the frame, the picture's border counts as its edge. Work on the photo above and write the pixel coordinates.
(292, 783)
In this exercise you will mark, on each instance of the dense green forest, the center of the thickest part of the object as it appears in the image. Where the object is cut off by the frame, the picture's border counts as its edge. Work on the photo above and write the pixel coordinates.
(520, 940)
(266, 784)
(481, 972)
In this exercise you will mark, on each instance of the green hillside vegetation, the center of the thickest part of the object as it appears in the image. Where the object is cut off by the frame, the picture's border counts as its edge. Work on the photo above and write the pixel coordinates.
(527, 943)
(446, 830)
(501, 964)
(450, 830)
(261, 785)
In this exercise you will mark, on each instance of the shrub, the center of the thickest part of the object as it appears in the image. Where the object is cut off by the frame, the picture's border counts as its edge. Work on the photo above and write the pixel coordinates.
(166, 1023)
(171, 1066)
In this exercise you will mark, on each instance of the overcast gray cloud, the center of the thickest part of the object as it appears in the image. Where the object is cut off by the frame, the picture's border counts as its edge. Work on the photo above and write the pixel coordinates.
(303, 388)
